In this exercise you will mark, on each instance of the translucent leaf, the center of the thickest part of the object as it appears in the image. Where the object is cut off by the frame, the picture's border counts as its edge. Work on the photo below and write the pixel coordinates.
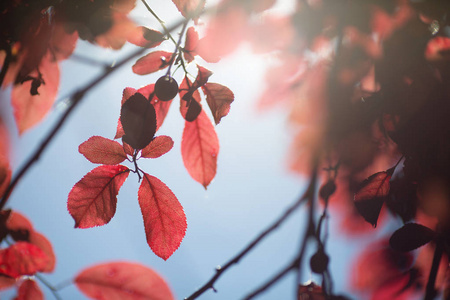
(22, 258)
(219, 99)
(164, 218)
(29, 290)
(199, 149)
(159, 146)
(100, 150)
(152, 62)
(124, 281)
(92, 200)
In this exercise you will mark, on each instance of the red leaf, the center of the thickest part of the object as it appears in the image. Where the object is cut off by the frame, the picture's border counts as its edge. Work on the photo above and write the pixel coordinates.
(202, 76)
(189, 8)
(17, 221)
(92, 200)
(22, 258)
(124, 281)
(6, 282)
(128, 149)
(371, 195)
(145, 37)
(199, 149)
(164, 218)
(190, 44)
(152, 62)
(44, 244)
(100, 150)
(29, 290)
(219, 99)
(62, 44)
(119, 32)
(126, 94)
(30, 110)
(189, 94)
(159, 146)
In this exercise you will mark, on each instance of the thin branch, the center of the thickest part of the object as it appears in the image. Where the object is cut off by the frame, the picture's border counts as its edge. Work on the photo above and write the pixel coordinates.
(430, 292)
(175, 53)
(220, 270)
(274, 279)
(48, 285)
(166, 31)
(76, 99)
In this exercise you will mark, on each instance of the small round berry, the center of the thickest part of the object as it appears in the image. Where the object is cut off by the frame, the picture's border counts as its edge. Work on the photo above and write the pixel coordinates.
(319, 262)
(166, 88)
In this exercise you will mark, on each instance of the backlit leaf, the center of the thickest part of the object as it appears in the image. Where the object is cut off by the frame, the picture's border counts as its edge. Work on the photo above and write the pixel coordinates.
(92, 200)
(22, 258)
(122, 281)
(145, 37)
(159, 146)
(189, 8)
(138, 118)
(44, 244)
(219, 99)
(411, 236)
(100, 150)
(152, 62)
(28, 109)
(164, 218)
(161, 107)
(6, 282)
(371, 195)
(202, 76)
(190, 44)
(62, 43)
(199, 149)
(29, 290)
(190, 106)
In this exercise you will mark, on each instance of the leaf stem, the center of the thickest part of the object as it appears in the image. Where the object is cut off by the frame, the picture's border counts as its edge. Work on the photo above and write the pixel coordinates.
(430, 292)
(166, 31)
(177, 46)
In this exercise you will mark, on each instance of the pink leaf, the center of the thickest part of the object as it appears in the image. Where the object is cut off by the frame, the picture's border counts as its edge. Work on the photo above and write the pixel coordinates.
(145, 37)
(122, 281)
(219, 99)
(28, 109)
(164, 218)
(29, 290)
(199, 149)
(100, 150)
(189, 8)
(92, 200)
(152, 62)
(190, 44)
(62, 44)
(159, 146)
(22, 258)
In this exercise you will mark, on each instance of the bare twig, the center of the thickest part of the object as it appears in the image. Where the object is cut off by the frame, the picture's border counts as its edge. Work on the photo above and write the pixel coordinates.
(430, 292)
(220, 270)
(6, 63)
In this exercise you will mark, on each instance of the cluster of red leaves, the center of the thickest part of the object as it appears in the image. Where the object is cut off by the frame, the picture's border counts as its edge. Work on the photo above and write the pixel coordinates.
(38, 35)
(30, 253)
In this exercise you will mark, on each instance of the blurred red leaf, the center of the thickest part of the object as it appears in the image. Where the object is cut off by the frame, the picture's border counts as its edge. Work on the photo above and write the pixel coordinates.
(199, 149)
(159, 146)
(189, 8)
(62, 44)
(190, 44)
(145, 37)
(371, 195)
(100, 150)
(219, 99)
(29, 290)
(124, 281)
(6, 282)
(310, 291)
(44, 244)
(410, 237)
(121, 29)
(22, 258)
(92, 200)
(152, 62)
(5, 175)
(164, 218)
(28, 109)
(17, 221)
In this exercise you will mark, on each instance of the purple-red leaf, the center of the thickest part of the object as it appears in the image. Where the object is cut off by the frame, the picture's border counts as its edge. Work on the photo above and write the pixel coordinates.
(152, 62)
(411, 236)
(202, 76)
(219, 99)
(100, 150)
(29, 290)
(199, 149)
(164, 218)
(124, 281)
(144, 37)
(92, 200)
(22, 258)
(371, 195)
(159, 146)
